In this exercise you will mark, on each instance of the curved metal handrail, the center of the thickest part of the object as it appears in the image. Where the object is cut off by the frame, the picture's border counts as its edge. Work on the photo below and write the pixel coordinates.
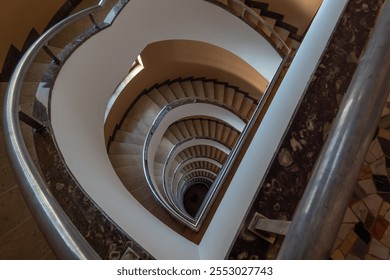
(61, 234)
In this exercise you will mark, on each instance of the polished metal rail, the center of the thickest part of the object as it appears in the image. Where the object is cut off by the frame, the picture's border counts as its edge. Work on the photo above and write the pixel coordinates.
(62, 236)
(318, 217)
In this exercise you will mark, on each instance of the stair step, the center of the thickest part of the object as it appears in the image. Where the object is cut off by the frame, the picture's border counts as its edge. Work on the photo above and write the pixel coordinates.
(246, 107)
(36, 72)
(219, 92)
(156, 96)
(209, 89)
(135, 126)
(128, 137)
(229, 96)
(135, 182)
(198, 88)
(283, 34)
(270, 22)
(212, 128)
(125, 149)
(144, 109)
(166, 91)
(183, 129)
(198, 127)
(190, 127)
(177, 90)
(205, 127)
(187, 88)
(125, 160)
(237, 102)
(129, 172)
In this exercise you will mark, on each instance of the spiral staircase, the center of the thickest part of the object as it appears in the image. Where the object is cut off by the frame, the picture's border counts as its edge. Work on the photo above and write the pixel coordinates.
(171, 149)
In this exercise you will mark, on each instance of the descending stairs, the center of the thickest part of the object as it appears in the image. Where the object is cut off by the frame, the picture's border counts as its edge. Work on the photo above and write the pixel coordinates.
(20, 237)
(127, 145)
(290, 28)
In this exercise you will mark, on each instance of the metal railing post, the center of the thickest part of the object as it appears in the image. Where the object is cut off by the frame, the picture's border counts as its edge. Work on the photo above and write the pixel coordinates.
(322, 207)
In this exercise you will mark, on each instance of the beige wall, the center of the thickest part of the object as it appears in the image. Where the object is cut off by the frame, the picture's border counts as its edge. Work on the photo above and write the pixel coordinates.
(18, 17)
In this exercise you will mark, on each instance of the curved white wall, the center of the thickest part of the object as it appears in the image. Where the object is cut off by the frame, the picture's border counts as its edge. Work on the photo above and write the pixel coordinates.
(90, 75)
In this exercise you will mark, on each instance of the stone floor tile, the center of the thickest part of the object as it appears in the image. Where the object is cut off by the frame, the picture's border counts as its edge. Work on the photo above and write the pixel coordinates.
(369, 257)
(345, 228)
(376, 149)
(350, 217)
(378, 250)
(378, 167)
(13, 210)
(384, 208)
(365, 172)
(337, 255)
(360, 210)
(25, 242)
(368, 186)
(359, 249)
(386, 237)
(379, 228)
(373, 203)
(352, 257)
(336, 244)
(349, 241)
(387, 216)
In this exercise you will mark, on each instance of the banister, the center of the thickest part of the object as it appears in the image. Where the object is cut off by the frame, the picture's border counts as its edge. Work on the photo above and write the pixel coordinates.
(319, 214)
(62, 236)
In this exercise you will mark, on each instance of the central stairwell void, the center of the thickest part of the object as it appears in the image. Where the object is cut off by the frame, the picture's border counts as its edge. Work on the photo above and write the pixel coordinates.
(154, 160)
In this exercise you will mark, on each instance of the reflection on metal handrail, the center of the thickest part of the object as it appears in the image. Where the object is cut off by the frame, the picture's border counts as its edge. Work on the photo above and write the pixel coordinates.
(317, 219)
(63, 237)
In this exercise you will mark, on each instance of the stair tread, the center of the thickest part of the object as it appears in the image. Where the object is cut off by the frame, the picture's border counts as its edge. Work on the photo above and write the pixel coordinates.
(128, 137)
(157, 98)
(124, 160)
(117, 148)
